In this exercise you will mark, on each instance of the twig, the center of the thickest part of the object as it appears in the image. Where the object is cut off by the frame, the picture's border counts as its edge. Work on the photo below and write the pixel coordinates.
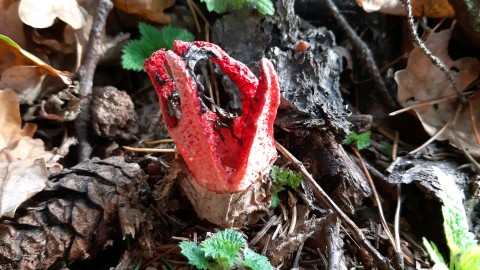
(274, 220)
(435, 136)
(297, 256)
(428, 103)
(323, 198)
(95, 50)
(395, 146)
(159, 141)
(377, 198)
(459, 143)
(435, 60)
(363, 50)
(396, 228)
(148, 150)
(333, 242)
(292, 202)
(63, 150)
(473, 121)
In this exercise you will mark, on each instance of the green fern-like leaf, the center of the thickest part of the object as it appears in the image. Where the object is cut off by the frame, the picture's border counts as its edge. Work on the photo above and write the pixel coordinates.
(224, 247)
(265, 7)
(361, 141)
(151, 39)
(255, 261)
(282, 178)
(285, 177)
(194, 254)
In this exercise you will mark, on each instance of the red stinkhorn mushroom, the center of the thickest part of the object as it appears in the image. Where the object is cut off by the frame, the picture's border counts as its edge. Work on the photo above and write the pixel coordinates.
(222, 158)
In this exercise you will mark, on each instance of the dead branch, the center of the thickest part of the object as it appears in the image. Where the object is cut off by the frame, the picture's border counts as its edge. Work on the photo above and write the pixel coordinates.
(95, 51)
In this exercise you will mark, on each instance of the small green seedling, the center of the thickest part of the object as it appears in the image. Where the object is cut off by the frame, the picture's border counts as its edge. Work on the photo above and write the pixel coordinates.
(360, 141)
(464, 249)
(226, 249)
(282, 178)
(151, 39)
(265, 7)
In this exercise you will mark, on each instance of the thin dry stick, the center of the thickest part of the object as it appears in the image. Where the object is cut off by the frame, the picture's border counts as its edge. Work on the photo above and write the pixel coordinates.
(435, 60)
(377, 198)
(194, 14)
(429, 102)
(148, 150)
(292, 201)
(398, 261)
(323, 198)
(159, 142)
(459, 144)
(432, 138)
(385, 67)
(397, 217)
(297, 256)
(395, 146)
(472, 119)
(362, 49)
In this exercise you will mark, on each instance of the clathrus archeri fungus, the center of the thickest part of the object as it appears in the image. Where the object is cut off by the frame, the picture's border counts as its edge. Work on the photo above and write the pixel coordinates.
(225, 151)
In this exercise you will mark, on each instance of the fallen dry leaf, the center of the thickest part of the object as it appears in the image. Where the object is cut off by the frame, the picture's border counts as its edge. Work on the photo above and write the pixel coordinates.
(23, 71)
(427, 8)
(23, 170)
(9, 16)
(26, 80)
(42, 14)
(422, 81)
(149, 9)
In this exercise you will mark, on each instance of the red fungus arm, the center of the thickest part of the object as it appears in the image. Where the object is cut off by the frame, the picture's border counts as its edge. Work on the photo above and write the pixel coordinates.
(218, 162)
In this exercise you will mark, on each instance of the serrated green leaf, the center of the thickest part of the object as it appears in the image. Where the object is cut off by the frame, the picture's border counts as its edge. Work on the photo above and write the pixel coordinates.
(151, 39)
(361, 141)
(265, 7)
(255, 261)
(194, 254)
(285, 177)
(224, 247)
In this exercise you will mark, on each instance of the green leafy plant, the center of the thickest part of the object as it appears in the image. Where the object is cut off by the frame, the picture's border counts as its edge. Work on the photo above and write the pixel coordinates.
(265, 7)
(151, 39)
(282, 178)
(361, 140)
(464, 249)
(226, 249)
